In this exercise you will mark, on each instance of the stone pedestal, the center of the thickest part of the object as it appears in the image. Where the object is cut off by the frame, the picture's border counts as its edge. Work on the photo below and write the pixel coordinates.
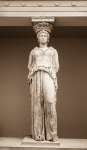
(16, 143)
(28, 141)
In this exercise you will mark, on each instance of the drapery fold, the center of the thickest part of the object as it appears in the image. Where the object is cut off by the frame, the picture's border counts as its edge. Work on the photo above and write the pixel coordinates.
(43, 107)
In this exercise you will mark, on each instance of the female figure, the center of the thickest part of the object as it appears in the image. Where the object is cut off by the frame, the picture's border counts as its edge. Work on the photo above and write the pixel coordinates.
(43, 66)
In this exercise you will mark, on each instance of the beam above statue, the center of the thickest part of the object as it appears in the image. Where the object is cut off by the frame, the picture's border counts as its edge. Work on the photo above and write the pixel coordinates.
(66, 13)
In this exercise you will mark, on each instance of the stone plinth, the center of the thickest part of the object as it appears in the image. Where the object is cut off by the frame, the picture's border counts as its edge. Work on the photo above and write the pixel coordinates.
(28, 141)
(14, 143)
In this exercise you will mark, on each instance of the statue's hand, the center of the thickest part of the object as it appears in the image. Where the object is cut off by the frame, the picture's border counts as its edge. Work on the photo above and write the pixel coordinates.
(28, 80)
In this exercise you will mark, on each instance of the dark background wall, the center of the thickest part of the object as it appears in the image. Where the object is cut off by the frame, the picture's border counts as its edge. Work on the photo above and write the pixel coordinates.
(15, 118)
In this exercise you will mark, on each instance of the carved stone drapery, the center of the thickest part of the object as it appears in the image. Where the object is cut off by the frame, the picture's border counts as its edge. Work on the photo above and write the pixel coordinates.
(43, 66)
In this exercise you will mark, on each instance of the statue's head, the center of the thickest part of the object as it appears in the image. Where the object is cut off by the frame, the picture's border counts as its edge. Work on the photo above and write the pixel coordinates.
(43, 30)
(43, 36)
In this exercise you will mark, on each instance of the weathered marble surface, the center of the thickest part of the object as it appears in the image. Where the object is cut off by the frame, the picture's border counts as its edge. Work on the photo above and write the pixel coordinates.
(43, 66)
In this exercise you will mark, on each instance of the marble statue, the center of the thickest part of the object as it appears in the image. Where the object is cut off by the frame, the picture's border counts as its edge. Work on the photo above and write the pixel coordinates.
(43, 66)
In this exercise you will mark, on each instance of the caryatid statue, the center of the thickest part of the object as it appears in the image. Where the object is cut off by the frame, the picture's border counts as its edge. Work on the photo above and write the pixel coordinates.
(43, 66)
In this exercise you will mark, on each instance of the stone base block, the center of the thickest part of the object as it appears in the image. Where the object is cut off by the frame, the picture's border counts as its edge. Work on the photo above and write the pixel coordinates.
(32, 143)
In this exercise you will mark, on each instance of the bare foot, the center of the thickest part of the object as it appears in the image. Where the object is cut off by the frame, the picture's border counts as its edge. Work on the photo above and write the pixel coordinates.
(55, 138)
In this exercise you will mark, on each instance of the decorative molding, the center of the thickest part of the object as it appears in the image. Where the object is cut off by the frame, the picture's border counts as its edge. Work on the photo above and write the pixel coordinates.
(45, 3)
(40, 4)
(73, 3)
(56, 3)
(42, 19)
(6, 4)
(63, 13)
(23, 4)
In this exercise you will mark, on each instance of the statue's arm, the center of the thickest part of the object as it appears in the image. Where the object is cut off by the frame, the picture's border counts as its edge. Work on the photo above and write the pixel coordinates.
(30, 61)
(30, 65)
(56, 61)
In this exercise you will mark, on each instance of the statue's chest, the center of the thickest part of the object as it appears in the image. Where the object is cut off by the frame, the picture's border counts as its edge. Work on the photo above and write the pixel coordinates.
(41, 53)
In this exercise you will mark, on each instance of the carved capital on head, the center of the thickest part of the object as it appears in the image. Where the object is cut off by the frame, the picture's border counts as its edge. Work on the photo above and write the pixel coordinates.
(43, 23)
(43, 26)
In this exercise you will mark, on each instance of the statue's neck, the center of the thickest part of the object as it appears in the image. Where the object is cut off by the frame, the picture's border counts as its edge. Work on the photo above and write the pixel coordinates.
(43, 46)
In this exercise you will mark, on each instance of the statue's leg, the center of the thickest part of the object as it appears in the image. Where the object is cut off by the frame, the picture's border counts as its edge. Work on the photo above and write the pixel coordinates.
(50, 109)
(37, 108)
(32, 111)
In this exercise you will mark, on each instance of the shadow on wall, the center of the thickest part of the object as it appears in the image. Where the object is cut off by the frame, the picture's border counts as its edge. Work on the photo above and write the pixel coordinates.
(15, 114)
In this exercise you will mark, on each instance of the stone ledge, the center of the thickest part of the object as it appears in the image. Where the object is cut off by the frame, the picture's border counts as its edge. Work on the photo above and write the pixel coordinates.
(14, 143)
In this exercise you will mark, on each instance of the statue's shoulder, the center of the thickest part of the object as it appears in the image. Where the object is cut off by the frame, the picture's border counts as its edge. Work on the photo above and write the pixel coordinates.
(36, 48)
(33, 50)
(53, 49)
